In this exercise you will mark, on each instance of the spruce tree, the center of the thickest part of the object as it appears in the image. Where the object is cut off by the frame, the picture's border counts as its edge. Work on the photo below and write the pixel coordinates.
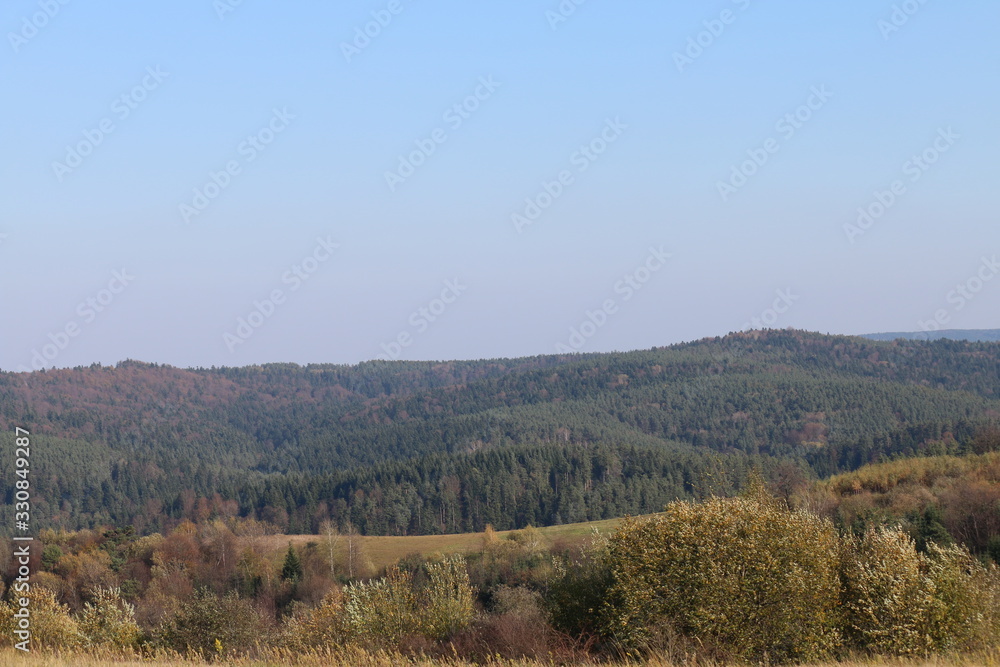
(292, 568)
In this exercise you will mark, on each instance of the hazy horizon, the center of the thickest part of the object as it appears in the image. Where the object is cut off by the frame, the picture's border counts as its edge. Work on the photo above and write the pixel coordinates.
(942, 333)
(227, 183)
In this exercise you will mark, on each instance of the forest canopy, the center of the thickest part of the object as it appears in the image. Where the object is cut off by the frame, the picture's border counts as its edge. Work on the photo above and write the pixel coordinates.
(433, 447)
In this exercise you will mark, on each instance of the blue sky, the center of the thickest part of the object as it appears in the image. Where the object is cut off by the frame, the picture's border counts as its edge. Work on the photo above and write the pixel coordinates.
(229, 161)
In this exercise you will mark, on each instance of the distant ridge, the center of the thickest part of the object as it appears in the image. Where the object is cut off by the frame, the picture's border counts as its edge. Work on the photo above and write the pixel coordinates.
(408, 447)
(973, 335)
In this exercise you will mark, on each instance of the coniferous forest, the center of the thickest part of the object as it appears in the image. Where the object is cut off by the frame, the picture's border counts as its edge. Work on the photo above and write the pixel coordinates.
(405, 448)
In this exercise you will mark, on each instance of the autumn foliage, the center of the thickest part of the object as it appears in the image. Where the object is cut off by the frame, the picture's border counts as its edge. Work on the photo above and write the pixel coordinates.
(745, 579)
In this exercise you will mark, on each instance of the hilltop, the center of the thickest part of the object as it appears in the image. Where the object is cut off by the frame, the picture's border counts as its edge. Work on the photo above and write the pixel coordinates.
(974, 335)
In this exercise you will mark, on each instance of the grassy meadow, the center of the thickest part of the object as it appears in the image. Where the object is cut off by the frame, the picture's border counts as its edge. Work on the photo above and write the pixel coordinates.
(382, 551)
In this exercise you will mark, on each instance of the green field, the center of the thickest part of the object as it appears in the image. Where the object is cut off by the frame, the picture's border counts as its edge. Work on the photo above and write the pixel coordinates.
(383, 551)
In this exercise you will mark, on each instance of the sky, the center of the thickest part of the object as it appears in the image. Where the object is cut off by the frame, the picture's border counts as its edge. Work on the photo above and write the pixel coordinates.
(236, 182)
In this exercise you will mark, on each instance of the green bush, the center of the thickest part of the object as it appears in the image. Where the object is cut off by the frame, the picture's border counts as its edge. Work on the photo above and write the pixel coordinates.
(580, 590)
(51, 555)
(745, 576)
(993, 548)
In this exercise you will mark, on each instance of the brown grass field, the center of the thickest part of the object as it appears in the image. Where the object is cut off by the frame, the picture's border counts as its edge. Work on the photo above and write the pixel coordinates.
(383, 551)
(363, 659)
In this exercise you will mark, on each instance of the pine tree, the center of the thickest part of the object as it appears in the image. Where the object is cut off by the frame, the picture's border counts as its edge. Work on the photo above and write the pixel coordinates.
(292, 568)
(930, 529)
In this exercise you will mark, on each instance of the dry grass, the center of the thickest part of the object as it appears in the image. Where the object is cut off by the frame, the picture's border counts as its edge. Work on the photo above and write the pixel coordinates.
(382, 551)
(358, 658)
(347, 658)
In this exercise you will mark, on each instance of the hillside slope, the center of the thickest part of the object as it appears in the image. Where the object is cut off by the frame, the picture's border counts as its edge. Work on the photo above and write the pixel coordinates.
(420, 447)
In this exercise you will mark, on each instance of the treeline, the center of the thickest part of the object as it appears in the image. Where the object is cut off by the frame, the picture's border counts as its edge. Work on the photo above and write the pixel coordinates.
(510, 487)
(507, 488)
(514, 487)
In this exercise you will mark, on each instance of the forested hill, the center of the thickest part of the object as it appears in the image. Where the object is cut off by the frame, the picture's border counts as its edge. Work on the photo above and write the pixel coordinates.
(407, 447)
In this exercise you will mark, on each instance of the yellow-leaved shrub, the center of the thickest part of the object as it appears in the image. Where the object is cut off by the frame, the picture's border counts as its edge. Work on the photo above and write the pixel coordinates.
(746, 576)
(887, 596)
(448, 597)
(323, 626)
(965, 615)
(51, 625)
(109, 620)
(382, 611)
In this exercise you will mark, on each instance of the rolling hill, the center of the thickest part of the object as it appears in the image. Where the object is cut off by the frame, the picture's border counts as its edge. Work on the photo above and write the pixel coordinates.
(427, 447)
